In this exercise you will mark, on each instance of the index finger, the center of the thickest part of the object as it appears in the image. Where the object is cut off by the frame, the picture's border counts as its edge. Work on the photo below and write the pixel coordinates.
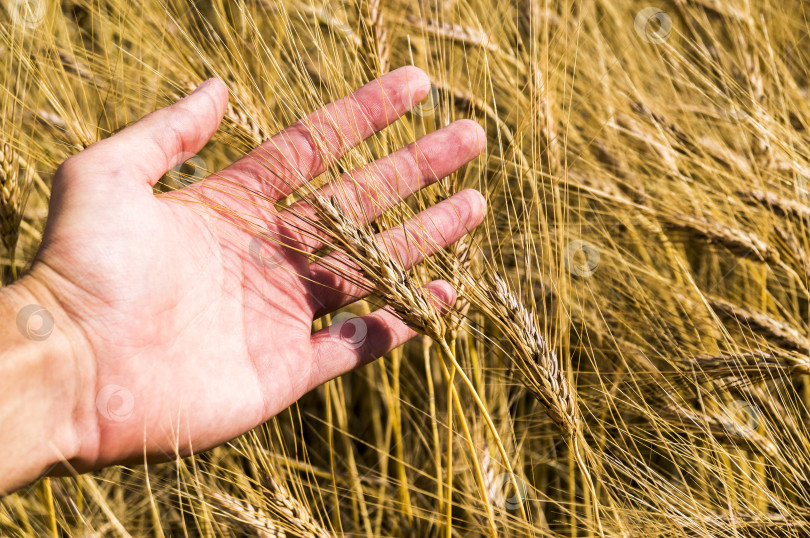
(305, 149)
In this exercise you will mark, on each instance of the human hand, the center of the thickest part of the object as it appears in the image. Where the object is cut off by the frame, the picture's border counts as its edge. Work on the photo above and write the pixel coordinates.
(172, 336)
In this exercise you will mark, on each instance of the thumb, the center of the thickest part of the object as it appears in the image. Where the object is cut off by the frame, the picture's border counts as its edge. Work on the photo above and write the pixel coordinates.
(159, 141)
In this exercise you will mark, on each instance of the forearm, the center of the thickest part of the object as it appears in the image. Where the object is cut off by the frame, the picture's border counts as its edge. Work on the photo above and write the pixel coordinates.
(39, 388)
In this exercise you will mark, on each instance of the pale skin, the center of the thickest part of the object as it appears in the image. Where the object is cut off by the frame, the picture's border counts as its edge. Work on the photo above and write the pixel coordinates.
(161, 303)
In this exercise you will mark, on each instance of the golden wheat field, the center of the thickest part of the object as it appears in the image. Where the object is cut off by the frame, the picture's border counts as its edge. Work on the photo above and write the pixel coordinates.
(628, 354)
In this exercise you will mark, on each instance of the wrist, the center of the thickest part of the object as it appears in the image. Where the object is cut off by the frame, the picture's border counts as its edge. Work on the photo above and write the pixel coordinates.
(43, 380)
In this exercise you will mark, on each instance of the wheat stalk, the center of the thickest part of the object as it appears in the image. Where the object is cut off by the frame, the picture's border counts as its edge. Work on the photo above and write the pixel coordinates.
(537, 89)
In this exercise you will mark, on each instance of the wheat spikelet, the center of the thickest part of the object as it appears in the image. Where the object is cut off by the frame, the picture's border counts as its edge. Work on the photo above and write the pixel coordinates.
(74, 67)
(9, 197)
(791, 430)
(781, 206)
(294, 513)
(338, 27)
(686, 142)
(615, 164)
(247, 516)
(761, 146)
(751, 367)
(742, 244)
(460, 254)
(244, 121)
(14, 188)
(540, 365)
(289, 515)
(775, 331)
(682, 137)
(393, 284)
(720, 427)
(794, 249)
(455, 32)
(724, 9)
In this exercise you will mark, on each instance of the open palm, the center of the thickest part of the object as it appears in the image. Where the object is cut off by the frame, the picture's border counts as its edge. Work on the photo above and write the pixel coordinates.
(189, 329)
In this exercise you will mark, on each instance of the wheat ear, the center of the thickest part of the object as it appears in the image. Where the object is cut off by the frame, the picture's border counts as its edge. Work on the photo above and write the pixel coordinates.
(389, 280)
(540, 365)
(736, 369)
(13, 194)
(742, 244)
(542, 373)
(290, 515)
(773, 330)
(454, 32)
(248, 517)
(781, 206)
